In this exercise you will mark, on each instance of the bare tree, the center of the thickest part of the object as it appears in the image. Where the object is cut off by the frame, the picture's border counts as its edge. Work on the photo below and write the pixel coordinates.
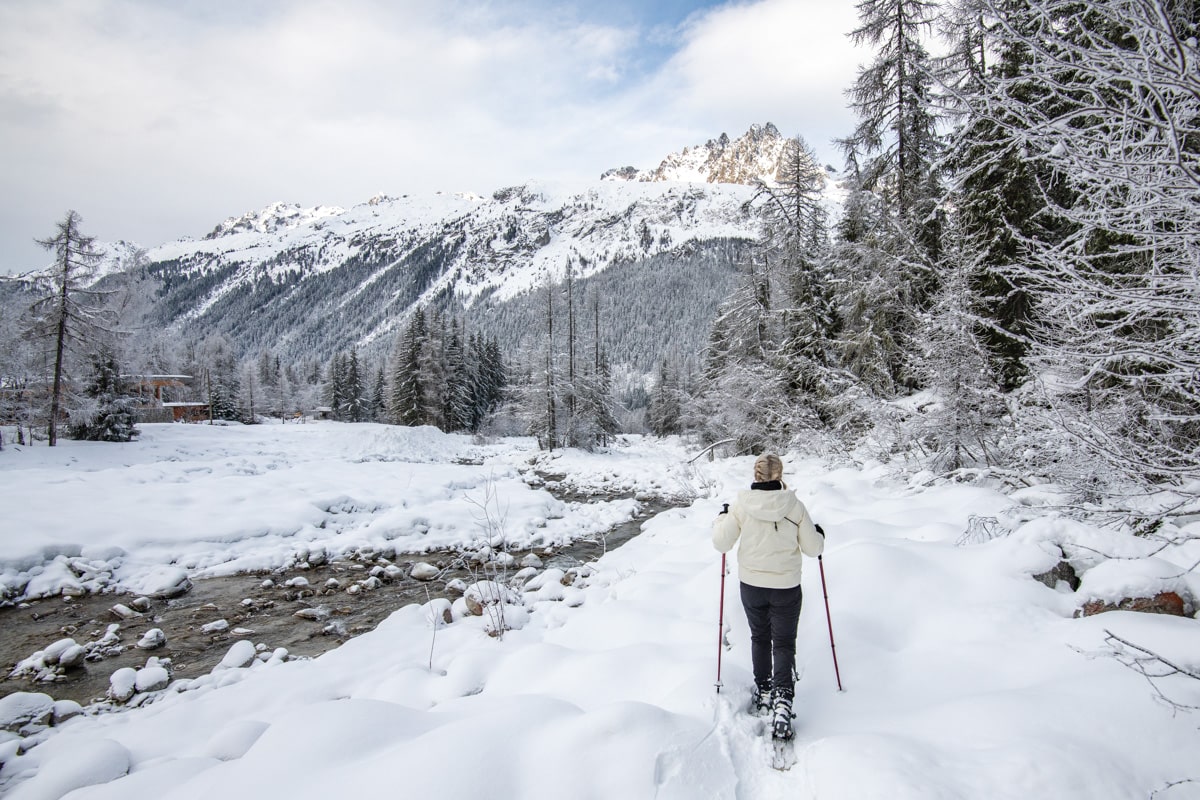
(69, 311)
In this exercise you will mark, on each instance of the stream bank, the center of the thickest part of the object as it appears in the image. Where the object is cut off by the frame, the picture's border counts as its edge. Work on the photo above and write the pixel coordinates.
(306, 610)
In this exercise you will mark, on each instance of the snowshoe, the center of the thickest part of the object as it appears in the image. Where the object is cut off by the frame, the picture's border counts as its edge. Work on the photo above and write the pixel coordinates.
(783, 754)
(782, 716)
(760, 702)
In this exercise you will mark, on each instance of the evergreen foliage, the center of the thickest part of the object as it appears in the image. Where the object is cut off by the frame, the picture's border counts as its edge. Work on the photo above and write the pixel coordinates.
(108, 415)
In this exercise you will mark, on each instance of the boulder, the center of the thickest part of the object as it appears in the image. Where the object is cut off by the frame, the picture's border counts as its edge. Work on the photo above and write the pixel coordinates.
(122, 684)
(151, 679)
(152, 639)
(72, 658)
(1162, 603)
(315, 614)
(53, 654)
(124, 612)
(487, 593)
(440, 611)
(239, 656)
(531, 560)
(1062, 572)
(424, 571)
(65, 710)
(24, 708)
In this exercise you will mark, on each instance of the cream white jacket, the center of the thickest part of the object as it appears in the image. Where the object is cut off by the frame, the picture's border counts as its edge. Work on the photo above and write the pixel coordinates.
(775, 531)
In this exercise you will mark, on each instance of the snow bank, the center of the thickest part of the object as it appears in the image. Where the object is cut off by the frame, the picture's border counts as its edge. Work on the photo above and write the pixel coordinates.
(964, 677)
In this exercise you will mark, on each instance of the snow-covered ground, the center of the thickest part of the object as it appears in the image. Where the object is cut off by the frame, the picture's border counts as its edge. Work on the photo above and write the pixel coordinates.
(964, 677)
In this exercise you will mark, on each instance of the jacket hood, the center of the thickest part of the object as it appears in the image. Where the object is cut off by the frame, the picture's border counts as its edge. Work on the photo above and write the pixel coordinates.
(769, 506)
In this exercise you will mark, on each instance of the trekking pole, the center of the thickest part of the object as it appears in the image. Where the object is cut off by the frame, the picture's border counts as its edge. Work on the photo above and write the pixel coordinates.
(721, 625)
(829, 620)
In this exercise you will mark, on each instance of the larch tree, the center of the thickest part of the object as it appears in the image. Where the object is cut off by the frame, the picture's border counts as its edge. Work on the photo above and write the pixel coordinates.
(892, 154)
(68, 314)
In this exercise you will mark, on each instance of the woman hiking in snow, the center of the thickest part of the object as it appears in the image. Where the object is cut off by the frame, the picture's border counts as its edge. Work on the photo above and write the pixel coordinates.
(776, 531)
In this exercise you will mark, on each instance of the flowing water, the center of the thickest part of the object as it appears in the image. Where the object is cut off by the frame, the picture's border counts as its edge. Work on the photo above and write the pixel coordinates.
(260, 607)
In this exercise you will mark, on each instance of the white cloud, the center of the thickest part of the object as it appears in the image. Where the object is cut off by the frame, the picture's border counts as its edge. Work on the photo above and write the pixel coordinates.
(155, 120)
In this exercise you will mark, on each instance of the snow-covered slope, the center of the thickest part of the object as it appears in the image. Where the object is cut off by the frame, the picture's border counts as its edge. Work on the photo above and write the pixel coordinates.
(311, 281)
(964, 676)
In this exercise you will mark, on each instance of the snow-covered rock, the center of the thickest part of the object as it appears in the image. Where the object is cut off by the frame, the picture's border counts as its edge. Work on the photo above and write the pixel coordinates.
(152, 678)
(423, 571)
(162, 582)
(240, 655)
(152, 639)
(1139, 584)
(78, 764)
(23, 708)
(65, 710)
(124, 612)
(122, 684)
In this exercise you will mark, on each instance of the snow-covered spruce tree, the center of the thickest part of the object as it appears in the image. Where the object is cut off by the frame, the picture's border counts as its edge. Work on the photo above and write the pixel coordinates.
(378, 406)
(595, 412)
(892, 156)
(488, 380)
(743, 392)
(406, 404)
(996, 190)
(222, 384)
(964, 422)
(67, 313)
(457, 409)
(354, 398)
(797, 256)
(1117, 317)
(107, 414)
(333, 393)
(664, 412)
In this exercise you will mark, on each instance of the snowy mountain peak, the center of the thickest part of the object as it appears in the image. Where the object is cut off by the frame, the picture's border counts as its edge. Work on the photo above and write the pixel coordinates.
(274, 218)
(752, 157)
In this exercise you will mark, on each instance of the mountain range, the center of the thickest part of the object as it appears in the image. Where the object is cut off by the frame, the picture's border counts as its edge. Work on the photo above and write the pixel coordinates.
(657, 249)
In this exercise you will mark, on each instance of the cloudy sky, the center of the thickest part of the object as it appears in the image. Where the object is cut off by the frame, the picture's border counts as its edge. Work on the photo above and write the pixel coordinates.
(157, 119)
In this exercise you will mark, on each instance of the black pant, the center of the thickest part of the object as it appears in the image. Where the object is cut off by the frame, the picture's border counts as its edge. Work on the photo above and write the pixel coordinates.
(773, 615)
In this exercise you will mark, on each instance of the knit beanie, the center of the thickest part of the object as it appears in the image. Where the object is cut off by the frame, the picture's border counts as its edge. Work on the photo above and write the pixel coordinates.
(768, 467)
